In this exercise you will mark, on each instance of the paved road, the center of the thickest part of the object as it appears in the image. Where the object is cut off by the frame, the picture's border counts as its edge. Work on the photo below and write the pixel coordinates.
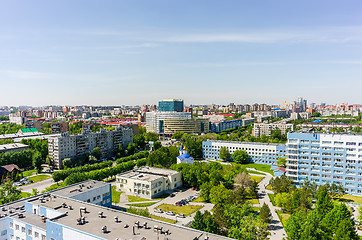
(40, 186)
(277, 231)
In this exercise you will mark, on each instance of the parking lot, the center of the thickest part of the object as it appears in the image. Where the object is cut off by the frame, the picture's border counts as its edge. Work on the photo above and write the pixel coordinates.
(179, 196)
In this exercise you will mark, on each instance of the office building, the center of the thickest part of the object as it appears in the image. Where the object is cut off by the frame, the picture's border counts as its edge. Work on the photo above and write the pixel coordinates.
(193, 125)
(263, 153)
(171, 105)
(266, 128)
(58, 215)
(155, 120)
(75, 146)
(326, 158)
(149, 182)
(13, 147)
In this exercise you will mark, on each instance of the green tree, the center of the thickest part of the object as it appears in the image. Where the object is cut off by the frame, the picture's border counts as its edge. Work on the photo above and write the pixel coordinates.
(219, 194)
(67, 163)
(97, 152)
(131, 149)
(139, 140)
(240, 156)
(9, 193)
(198, 222)
(265, 214)
(282, 162)
(253, 189)
(92, 159)
(316, 114)
(151, 137)
(34, 192)
(37, 161)
(224, 153)
(157, 145)
(121, 151)
(178, 135)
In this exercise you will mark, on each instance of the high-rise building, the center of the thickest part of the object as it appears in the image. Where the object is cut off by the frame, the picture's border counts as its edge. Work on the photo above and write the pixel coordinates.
(75, 146)
(171, 105)
(326, 158)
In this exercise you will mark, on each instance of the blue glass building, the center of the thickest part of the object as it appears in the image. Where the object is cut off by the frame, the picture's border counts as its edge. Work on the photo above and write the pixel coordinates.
(171, 105)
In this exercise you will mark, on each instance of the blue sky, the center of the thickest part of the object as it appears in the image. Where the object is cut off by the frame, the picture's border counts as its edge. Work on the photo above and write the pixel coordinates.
(138, 52)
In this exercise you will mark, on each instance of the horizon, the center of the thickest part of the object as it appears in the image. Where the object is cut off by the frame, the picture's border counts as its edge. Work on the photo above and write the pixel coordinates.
(127, 53)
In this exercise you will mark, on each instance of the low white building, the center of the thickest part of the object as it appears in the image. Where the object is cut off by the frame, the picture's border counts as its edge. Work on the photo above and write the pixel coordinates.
(148, 182)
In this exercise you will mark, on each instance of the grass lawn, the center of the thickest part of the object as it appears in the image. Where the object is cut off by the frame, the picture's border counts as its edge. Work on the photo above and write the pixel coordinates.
(200, 200)
(29, 173)
(141, 204)
(25, 194)
(255, 172)
(256, 178)
(186, 209)
(39, 178)
(137, 199)
(163, 219)
(260, 167)
(271, 196)
(256, 209)
(253, 201)
(350, 198)
(283, 217)
(115, 195)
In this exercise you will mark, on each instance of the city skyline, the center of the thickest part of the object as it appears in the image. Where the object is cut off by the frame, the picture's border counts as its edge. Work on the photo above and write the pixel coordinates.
(127, 53)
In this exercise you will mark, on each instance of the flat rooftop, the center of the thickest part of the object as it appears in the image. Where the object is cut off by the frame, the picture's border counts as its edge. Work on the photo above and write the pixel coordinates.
(76, 189)
(249, 143)
(37, 137)
(140, 176)
(17, 135)
(93, 223)
(159, 171)
(12, 146)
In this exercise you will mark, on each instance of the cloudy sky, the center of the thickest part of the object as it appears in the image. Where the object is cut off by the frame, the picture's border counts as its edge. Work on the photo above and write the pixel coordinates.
(203, 51)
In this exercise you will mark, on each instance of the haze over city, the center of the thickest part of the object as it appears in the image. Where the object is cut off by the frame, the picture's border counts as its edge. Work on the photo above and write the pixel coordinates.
(137, 52)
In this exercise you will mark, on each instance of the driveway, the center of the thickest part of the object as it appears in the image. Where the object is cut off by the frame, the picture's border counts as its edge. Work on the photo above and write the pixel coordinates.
(40, 186)
(277, 231)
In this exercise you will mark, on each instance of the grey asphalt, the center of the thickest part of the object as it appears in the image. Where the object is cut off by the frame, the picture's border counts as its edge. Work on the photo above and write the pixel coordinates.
(40, 186)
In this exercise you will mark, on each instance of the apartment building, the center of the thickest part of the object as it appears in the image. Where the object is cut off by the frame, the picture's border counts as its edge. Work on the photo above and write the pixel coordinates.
(74, 146)
(149, 182)
(263, 153)
(59, 127)
(217, 127)
(266, 128)
(34, 124)
(326, 158)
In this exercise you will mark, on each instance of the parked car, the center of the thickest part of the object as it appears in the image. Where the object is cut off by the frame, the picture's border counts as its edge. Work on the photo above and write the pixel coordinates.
(158, 210)
(181, 215)
(170, 213)
(172, 195)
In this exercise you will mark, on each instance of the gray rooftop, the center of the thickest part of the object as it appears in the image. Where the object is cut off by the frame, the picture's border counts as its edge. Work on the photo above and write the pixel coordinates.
(17, 135)
(76, 189)
(12, 146)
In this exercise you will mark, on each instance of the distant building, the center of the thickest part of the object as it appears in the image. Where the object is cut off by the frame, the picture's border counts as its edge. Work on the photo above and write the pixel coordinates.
(149, 182)
(263, 153)
(19, 120)
(171, 105)
(75, 146)
(155, 121)
(34, 124)
(266, 128)
(20, 135)
(59, 127)
(217, 127)
(27, 130)
(184, 157)
(193, 125)
(13, 147)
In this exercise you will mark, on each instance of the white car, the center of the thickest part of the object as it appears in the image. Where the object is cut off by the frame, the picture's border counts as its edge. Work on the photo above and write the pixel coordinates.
(170, 213)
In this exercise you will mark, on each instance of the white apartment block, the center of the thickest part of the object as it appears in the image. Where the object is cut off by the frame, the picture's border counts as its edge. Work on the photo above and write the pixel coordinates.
(266, 128)
(148, 182)
(74, 146)
(155, 120)
(263, 153)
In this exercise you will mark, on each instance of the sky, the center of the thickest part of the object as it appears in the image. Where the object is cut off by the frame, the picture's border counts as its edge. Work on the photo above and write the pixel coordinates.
(117, 52)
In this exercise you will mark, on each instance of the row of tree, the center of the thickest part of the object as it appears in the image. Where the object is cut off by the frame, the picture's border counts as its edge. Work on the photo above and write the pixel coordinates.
(63, 174)
(135, 156)
(99, 174)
